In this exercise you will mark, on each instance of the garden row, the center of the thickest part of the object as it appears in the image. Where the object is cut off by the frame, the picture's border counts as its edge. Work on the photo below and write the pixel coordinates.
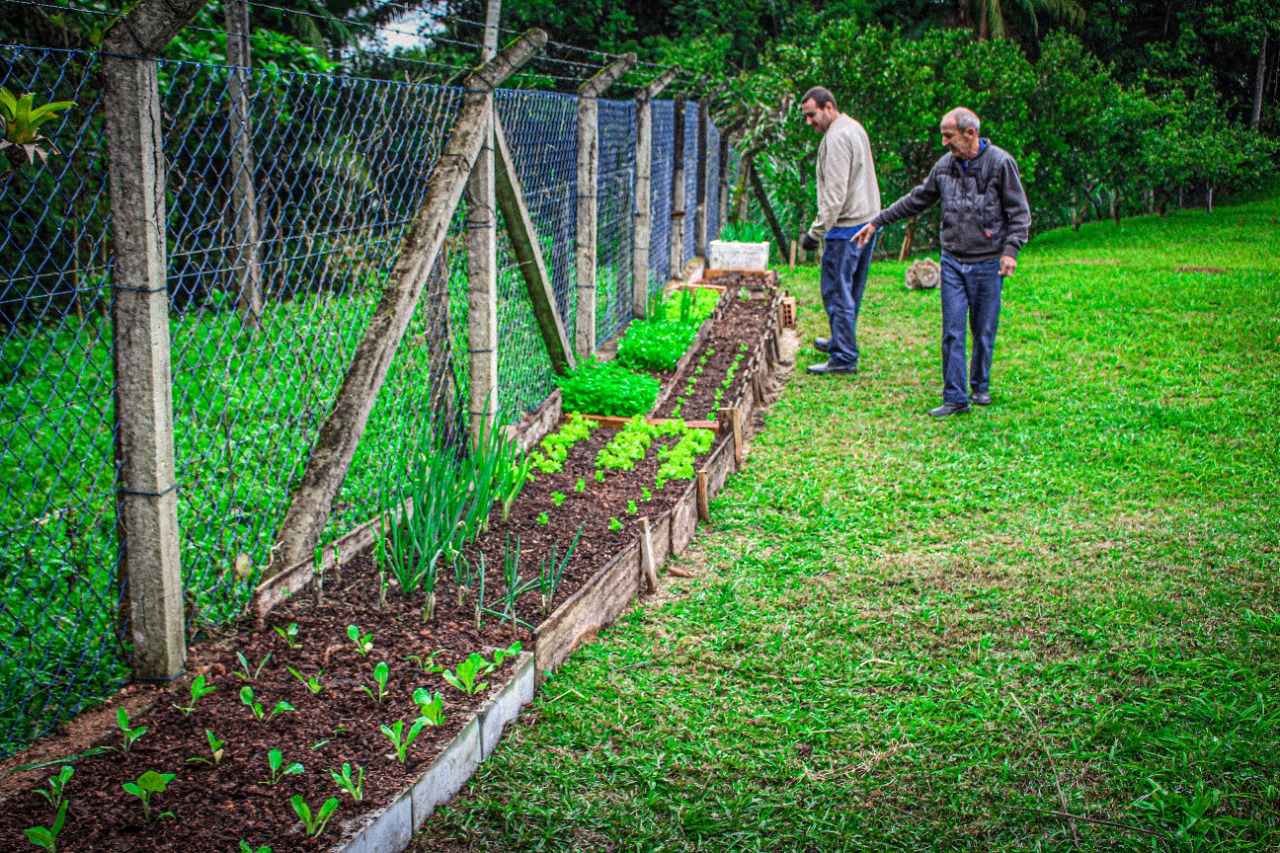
(387, 668)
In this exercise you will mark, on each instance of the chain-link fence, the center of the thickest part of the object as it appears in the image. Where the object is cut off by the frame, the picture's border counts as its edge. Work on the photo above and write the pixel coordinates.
(662, 174)
(690, 179)
(297, 188)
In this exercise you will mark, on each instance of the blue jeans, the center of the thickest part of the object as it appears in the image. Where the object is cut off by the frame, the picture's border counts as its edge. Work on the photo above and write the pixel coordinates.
(844, 278)
(970, 296)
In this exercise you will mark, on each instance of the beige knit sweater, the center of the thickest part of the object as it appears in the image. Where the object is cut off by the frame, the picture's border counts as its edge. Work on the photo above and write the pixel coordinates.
(848, 193)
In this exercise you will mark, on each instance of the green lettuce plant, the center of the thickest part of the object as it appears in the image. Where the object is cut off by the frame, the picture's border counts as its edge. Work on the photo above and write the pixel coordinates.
(147, 786)
(56, 791)
(352, 784)
(47, 837)
(607, 388)
(198, 689)
(314, 824)
(279, 770)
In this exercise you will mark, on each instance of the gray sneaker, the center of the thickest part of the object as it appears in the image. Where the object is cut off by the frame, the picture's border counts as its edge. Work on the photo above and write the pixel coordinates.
(980, 398)
(950, 409)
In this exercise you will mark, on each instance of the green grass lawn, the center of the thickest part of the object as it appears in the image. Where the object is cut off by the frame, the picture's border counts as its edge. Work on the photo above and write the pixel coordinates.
(910, 634)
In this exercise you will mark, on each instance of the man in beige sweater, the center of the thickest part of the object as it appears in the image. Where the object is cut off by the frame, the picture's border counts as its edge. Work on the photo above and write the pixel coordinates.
(848, 198)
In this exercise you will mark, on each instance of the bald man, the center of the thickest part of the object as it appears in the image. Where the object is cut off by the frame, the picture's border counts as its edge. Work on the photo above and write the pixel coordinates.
(985, 222)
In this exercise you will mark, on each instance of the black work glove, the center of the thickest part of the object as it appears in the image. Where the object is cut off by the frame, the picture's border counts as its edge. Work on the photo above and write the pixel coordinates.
(809, 243)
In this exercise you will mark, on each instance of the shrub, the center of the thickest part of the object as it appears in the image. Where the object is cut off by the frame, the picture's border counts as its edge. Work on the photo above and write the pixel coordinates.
(607, 388)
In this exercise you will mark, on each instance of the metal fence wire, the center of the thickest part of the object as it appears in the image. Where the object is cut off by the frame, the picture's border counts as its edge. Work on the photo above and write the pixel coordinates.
(332, 169)
(713, 184)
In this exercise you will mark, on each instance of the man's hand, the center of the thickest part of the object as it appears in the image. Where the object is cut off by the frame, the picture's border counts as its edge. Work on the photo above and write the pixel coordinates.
(1008, 263)
(863, 237)
(809, 243)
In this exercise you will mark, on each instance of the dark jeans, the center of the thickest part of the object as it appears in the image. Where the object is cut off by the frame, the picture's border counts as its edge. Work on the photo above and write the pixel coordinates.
(844, 278)
(970, 292)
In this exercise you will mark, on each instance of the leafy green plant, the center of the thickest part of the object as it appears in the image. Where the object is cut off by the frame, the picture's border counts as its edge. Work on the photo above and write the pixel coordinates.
(632, 509)
(47, 837)
(400, 740)
(311, 682)
(279, 770)
(554, 449)
(543, 518)
(246, 672)
(614, 524)
(381, 673)
(557, 498)
(289, 634)
(198, 690)
(550, 571)
(215, 749)
(353, 785)
(363, 642)
(677, 461)
(129, 735)
(607, 388)
(430, 707)
(245, 847)
(428, 663)
(246, 696)
(656, 344)
(581, 485)
(744, 232)
(645, 494)
(21, 121)
(515, 476)
(57, 786)
(467, 675)
(147, 786)
(314, 824)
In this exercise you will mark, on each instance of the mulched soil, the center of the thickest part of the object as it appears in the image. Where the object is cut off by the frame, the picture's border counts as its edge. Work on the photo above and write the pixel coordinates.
(743, 321)
(216, 806)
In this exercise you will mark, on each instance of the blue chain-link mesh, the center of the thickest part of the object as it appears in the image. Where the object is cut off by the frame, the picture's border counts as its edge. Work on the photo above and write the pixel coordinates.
(660, 213)
(713, 183)
(542, 131)
(615, 217)
(690, 179)
(59, 599)
(339, 166)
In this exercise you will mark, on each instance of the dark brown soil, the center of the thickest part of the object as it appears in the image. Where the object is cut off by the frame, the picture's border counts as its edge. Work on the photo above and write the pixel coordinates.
(214, 807)
(744, 321)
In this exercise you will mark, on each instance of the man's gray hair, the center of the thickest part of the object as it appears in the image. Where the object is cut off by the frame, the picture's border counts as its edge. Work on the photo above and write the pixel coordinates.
(964, 118)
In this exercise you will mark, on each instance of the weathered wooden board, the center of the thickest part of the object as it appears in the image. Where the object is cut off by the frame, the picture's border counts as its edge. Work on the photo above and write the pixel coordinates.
(684, 520)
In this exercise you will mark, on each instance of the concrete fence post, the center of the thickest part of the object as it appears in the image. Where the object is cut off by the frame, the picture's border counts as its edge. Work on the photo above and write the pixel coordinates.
(147, 496)
(644, 192)
(677, 191)
(245, 235)
(482, 260)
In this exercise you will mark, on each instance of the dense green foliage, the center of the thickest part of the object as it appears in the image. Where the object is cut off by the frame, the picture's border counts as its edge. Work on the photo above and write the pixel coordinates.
(911, 635)
(657, 343)
(607, 388)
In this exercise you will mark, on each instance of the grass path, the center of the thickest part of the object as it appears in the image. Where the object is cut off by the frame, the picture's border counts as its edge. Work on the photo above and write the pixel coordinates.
(919, 635)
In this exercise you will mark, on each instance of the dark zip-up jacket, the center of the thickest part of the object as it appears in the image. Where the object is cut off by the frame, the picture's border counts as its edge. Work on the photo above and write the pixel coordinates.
(984, 209)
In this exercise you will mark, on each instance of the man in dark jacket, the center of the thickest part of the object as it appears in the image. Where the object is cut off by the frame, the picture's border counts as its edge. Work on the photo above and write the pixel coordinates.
(985, 221)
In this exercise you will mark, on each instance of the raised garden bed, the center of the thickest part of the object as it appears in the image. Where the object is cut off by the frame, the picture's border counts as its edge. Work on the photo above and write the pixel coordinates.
(624, 527)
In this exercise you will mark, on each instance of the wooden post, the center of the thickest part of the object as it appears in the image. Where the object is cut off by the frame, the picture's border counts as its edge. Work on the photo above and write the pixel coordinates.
(245, 261)
(700, 211)
(482, 261)
(784, 245)
(528, 252)
(341, 433)
(704, 502)
(677, 190)
(730, 419)
(588, 174)
(644, 192)
(146, 492)
(647, 563)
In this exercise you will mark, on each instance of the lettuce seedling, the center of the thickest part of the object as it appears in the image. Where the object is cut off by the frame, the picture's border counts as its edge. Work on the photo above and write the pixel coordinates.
(632, 509)
(363, 642)
(315, 825)
(430, 708)
(289, 635)
(311, 681)
(580, 485)
(400, 741)
(543, 518)
(57, 787)
(428, 663)
(353, 785)
(279, 770)
(198, 689)
(614, 524)
(47, 837)
(557, 498)
(215, 749)
(380, 674)
(130, 735)
(249, 673)
(468, 671)
(246, 696)
(148, 785)
(245, 847)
